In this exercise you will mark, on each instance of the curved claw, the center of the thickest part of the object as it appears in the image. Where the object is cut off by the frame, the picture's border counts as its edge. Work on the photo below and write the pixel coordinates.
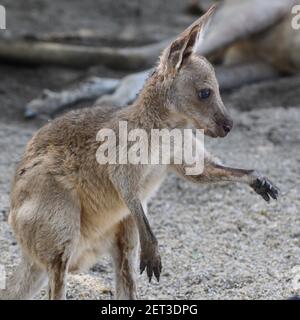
(142, 266)
(149, 272)
(157, 271)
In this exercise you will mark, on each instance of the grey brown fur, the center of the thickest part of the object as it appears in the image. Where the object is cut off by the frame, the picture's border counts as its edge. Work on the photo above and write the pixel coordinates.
(67, 209)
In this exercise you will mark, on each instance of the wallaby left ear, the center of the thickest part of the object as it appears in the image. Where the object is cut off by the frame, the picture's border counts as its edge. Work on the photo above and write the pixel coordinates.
(186, 43)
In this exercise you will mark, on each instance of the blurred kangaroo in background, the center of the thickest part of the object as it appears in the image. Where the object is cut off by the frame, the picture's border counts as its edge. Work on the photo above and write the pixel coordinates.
(67, 209)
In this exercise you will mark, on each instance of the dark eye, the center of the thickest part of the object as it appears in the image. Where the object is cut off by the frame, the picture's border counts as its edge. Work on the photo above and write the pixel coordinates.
(204, 94)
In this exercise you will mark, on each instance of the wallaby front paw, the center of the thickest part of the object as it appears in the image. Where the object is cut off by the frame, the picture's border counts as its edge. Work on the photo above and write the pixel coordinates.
(151, 261)
(265, 188)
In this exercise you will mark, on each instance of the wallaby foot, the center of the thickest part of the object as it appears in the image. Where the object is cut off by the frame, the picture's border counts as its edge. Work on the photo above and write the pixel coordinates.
(150, 256)
(25, 282)
(125, 255)
(150, 260)
(264, 187)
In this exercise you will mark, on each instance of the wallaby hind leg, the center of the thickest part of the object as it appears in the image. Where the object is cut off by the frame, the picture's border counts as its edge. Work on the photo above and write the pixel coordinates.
(125, 256)
(25, 282)
(47, 227)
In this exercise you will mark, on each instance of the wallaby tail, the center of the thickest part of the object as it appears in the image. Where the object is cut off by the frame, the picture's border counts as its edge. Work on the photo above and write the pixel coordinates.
(25, 282)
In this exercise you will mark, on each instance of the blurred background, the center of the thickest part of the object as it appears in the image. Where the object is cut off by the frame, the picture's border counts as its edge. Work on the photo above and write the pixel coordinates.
(217, 242)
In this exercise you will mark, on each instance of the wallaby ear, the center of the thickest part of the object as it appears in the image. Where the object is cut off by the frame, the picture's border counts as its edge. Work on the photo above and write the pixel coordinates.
(186, 43)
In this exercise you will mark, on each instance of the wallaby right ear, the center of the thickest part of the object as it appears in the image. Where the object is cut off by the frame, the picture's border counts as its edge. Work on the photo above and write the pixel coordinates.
(185, 44)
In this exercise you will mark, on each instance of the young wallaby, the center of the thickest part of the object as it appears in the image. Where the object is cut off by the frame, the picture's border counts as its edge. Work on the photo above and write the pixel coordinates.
(67, 209)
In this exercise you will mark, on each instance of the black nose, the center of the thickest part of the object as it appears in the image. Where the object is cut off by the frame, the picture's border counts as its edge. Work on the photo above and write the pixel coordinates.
(227, 127)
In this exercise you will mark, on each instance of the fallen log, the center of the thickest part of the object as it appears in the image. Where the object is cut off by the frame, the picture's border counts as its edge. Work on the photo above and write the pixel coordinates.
(50, 102)
(41, 52)
(126, 91)
(88, 37)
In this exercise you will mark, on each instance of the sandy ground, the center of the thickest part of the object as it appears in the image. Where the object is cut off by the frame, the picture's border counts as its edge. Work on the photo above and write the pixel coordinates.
(217, 241)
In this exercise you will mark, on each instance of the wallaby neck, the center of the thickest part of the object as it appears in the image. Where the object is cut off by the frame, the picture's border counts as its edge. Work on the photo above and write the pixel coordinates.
(151, 108)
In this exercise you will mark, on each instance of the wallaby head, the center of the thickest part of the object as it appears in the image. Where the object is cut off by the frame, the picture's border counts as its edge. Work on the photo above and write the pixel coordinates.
(193, 90)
